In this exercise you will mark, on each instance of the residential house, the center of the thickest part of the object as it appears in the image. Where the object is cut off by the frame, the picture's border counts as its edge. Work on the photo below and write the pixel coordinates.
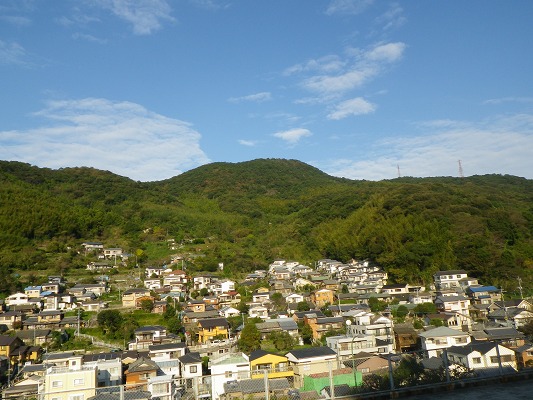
(255, 389)
(405, 338)
(148, 335)
(153, 272)
(131, 297)
(273, 365)
(69, 382)
(11, 319)
(367, 363)
(510, 316)
(191, 373)
(203, 281)
(524, 356)
(278, 325)
(196, 306)
(229, 298)
(211, 328)
(113, 252)
(322, 297)
(152, 284)
(435, 340)
(258, 311)
(322, 325)
(311, 360)
(483, 356)
(234, 367)
(396, 288)
(483, 294)
(96, 288)
(33, 291)
(108, 365)
(9, 346)
(294, 298)
(261, 295)
(223, 286)
(175, 277)
(458, 305)
(449, 279)
(162, 387)
(228, 312)
(139, 373)
(16, 299)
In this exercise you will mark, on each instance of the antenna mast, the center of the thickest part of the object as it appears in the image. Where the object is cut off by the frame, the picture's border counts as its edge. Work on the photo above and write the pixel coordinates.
(461, 175)
(398, 167)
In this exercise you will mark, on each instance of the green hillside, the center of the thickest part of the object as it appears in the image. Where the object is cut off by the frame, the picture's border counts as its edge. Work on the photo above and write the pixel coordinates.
(247, 214)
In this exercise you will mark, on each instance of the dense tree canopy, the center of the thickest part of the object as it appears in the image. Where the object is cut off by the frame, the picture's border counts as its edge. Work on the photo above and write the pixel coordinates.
(245, 215)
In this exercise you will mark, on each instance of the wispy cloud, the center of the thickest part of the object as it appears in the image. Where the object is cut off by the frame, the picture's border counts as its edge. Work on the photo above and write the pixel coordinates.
(249, 143)
(499, 145)
(12, 53)
(393, 18)
(367, 64)
(210, 4)
(293, 136)
(326, 64)
(146, 16)
(256, 97)
(509, 100)
(348, 6)
(88, 38)
(122, 137)
(356, 106)
(16, 20)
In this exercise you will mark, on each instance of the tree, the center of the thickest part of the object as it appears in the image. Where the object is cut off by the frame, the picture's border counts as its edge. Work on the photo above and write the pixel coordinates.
(109, 320)
(306, 333)
(147, 305)
(282, 341)
(303, 306)
(376, 305)
(279, 301)
(250, 339)
(425, 308)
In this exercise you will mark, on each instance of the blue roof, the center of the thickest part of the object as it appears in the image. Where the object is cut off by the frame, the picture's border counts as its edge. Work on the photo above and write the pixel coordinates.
(484, 289)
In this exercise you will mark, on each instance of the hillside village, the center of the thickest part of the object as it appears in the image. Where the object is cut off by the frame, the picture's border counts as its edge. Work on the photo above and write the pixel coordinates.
(343, 322)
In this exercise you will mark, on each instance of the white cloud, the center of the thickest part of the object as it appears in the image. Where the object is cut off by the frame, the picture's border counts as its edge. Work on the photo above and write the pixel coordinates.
(293, 136)
(367, 64)
(88, 38)
(326, 64)
(356, 106)
(249, 143)
(146, 16)
(122, 137)
(393, 18)
(389, 52)
(502, 100)
(500, 145)
(256, 97)
(348, 6)
(16, 20)
(12, 53)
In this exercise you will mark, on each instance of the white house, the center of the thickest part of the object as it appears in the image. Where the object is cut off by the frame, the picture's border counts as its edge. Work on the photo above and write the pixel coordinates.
(225, 369)
(434, 341)
(449, 279)
(483, 356)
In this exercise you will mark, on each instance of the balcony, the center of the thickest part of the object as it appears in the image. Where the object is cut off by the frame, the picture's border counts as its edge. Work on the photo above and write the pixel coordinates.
(279, 372)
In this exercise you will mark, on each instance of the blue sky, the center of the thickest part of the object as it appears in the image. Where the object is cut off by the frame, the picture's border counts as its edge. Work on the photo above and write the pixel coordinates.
(362, 89)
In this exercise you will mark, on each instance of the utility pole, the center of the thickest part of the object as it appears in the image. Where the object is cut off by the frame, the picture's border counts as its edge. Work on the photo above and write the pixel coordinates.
(520, 288)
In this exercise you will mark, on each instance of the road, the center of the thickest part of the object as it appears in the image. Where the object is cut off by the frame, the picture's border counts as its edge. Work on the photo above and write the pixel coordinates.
(521, 390)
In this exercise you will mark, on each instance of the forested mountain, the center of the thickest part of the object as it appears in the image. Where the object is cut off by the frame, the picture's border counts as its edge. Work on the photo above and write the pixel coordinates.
(253, 212)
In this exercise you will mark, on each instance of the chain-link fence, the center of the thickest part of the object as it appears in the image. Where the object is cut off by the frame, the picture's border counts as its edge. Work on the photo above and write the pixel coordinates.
(356, 375)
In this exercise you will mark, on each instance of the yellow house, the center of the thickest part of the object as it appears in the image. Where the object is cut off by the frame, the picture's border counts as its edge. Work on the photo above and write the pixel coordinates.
(322, 297)
(131, 296)
(209, 328)
(276, 366)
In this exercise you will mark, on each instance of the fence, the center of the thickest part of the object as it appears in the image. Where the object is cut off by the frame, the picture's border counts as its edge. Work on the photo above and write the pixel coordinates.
(356, 376)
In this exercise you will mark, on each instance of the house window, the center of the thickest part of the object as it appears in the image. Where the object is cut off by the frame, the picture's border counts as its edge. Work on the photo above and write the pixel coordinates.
(57, 384)
(365, 370)
(76, 397)
(79, 382)
(228, 374)
(494, 359)
(506, 358)
(460, 340)
(476, 360)
(193, 369)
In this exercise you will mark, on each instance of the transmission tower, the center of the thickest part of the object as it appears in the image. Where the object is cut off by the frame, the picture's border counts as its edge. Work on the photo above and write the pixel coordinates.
(461, 175)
